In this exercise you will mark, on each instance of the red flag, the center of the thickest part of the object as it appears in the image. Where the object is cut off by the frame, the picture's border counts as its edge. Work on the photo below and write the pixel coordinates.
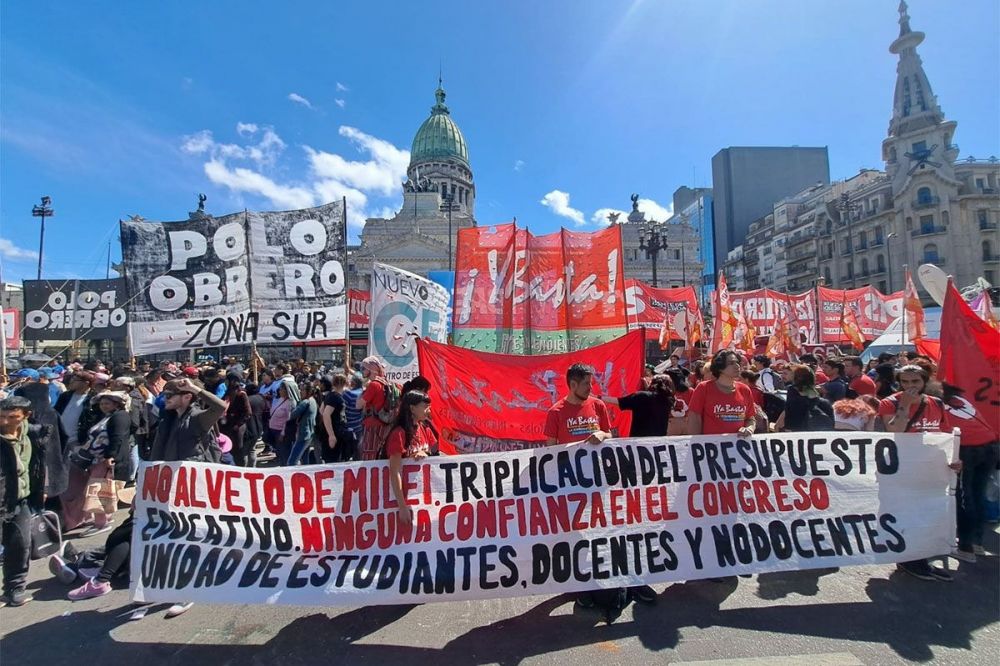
(849, 325)
(970, 357)
(916, 329)
(497, 402)
(725, 324)
(776, 343)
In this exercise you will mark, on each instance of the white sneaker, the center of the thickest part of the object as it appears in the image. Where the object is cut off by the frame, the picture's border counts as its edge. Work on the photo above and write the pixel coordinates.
(95, 530)
(179, 609)
(61, 570)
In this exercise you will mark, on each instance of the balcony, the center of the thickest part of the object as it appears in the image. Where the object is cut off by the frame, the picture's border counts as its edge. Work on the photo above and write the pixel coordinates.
(937, 261)
(800, 269)
(926, 202)
(846, 251)
(987, 226)
(878, 242)
(991, 258)
(928, 231)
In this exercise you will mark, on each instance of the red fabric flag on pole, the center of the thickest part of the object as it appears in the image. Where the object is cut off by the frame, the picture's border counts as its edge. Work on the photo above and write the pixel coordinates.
(916, 329)
(970, 358)
(725, 324)
(849, 325)
(776, 343)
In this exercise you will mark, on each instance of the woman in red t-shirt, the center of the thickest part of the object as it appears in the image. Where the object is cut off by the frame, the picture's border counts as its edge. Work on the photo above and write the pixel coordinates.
(412, 437)
(371, 402)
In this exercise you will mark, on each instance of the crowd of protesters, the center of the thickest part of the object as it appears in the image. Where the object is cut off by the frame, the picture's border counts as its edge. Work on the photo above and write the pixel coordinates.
(67, 428)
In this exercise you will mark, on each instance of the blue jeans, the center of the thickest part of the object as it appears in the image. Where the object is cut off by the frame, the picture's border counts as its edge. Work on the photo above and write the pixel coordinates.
(298, 448)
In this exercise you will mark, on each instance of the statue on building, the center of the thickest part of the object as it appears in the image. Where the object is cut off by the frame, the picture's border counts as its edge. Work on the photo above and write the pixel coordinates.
(635, 203)
(613, 217)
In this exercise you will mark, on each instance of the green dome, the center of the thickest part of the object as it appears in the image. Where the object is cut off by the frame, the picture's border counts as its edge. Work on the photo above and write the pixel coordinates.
(439, 136)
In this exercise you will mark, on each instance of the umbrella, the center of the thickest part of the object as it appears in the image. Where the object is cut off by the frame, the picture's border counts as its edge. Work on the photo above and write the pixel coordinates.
(37, 357)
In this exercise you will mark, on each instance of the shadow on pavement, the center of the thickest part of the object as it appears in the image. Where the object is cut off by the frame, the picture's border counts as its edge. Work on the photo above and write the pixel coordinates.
(907, 615)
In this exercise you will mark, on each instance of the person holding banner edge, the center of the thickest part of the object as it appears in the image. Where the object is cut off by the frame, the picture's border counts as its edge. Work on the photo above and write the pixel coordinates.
(411, 437)
(912, 410)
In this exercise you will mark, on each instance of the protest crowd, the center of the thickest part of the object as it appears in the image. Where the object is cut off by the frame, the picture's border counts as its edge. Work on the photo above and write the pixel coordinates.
(73, 434)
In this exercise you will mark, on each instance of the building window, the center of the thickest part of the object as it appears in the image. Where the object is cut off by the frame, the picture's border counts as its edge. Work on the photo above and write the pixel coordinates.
(945, 218)
(980, 184)
(878, 236)
(982, 216)
(881, 287)
(931, 253)
(919, 146)
(987, 251)
(926, 224)
(826, 276)
(880, 263)
(924, 195)
(677, 255)
(909, 224)
(862, 241)
(864, 267)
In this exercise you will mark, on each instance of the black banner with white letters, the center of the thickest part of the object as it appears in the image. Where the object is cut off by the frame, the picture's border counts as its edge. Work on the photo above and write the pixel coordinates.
(74, 310)
(274, 277)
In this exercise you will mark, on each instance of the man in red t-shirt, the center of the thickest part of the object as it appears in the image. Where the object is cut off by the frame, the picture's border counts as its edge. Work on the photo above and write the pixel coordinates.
(860, 383)
(579, 416)
(725, 405)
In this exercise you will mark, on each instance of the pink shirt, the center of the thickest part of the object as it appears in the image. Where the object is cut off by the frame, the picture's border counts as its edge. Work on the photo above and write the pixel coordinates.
(279, 414)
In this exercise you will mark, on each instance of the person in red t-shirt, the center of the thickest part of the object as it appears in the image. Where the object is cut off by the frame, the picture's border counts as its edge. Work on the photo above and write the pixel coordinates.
(371, 401)
(411, 437)
(860, 383)
(724, 405)
(579, 416)
(912, 410)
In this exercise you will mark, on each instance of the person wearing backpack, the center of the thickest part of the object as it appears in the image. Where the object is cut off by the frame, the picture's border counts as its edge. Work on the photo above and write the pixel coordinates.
(379, 403)
(768, 380)
(805, 409)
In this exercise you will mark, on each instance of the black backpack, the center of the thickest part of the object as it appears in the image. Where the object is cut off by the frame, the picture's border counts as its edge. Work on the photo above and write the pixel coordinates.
(818, 418)
(774, 406)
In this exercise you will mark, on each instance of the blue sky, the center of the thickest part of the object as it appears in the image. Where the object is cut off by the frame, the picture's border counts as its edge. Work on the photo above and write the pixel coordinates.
(118, 108)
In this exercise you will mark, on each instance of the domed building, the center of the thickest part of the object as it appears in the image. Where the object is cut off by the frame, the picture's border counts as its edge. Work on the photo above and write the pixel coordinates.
(439, 198)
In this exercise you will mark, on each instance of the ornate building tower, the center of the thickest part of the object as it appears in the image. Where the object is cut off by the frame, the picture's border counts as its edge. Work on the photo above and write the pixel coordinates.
(439, 159)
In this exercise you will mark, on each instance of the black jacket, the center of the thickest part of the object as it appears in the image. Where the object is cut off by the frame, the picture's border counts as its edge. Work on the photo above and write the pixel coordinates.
(37, 434)
(42, 413)
(187, 436)
(119, 440)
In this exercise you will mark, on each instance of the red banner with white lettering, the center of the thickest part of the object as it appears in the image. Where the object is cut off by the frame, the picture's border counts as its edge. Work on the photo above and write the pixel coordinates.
(12, 328)
(970, 360)
(497, 402)
(650, 307)
(516, 293)
(761, 307)
(873, 310)
(359, 313)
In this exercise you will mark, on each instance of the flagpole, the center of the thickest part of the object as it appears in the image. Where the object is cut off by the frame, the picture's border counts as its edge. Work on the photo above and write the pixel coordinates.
(347, 295)
(819, 316)
(906, 281)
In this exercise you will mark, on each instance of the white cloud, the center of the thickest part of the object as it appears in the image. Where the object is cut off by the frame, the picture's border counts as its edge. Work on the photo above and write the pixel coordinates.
(340, 102)
(518, 165)
(600, 216)
(558, 202)
(655, 211)
(299, 99)
(372, 186)
(342, 88)
(14, 253)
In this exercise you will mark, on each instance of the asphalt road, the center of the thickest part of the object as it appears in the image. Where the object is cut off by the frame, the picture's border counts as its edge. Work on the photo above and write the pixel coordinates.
(858, 615)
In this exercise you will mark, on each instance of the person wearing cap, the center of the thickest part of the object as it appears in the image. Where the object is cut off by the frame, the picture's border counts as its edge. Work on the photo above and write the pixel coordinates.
(42, 413)
(49, 377)
(104, 453)
(184, 430)
(22, 492)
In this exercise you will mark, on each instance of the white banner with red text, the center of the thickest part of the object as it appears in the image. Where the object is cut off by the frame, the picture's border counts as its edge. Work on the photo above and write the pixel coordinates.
(541, 521)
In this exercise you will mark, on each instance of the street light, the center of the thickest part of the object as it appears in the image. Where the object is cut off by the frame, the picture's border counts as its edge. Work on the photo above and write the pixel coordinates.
(652, 240)
(888, 256)
(846, 208)
(449, 205)
(43, 211)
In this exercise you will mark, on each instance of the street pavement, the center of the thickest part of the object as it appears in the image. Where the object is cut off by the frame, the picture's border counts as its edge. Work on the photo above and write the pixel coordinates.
(857, 615)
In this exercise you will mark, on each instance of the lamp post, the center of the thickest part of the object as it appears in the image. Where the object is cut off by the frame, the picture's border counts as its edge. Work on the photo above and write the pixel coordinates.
(684, 233)
(43, 211)
(888, 256)
(652, 240)
(846, 208)
(449, 205)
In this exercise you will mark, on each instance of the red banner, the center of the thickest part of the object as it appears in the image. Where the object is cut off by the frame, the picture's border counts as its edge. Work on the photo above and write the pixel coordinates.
(649, 308)
(361, 308)
(970, 359)
(493, 402)
(873, 309)
(762, 306)
(12, 328)
(517, 293)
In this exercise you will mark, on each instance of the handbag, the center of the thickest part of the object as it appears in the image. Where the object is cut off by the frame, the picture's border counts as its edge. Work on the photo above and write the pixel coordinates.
(82, 458)
(102, 492)
(46, 537)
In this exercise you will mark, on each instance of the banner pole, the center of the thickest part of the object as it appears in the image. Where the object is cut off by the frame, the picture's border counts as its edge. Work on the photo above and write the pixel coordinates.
(347, 298)
(906, 282)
